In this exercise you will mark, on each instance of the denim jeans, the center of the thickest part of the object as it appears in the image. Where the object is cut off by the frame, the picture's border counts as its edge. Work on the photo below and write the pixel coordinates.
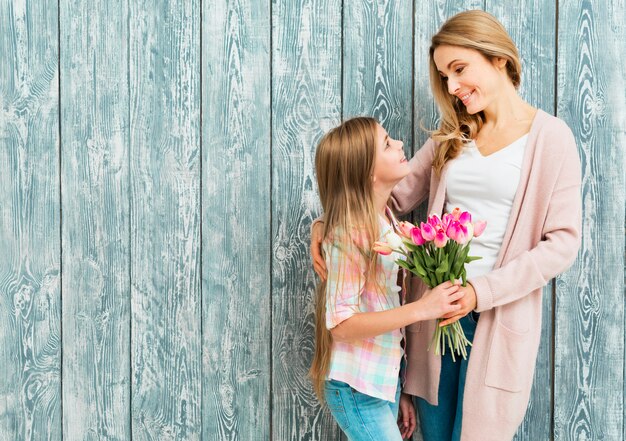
(360, 416)
(443, 422)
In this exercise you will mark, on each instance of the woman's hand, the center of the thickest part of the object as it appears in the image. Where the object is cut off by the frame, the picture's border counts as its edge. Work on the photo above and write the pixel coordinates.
(467, 303)
(406, 416)
(319, 264)
(439, 301)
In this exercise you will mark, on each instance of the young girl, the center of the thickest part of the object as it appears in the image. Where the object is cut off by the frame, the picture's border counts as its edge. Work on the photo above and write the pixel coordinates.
(518, 167)
(359, 317)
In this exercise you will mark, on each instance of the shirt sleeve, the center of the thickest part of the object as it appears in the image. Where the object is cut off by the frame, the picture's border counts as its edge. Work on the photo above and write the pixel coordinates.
(345, 282)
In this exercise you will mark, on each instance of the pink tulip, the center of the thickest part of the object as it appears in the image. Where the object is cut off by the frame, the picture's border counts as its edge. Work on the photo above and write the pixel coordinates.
(456, 213)
(416, 236)
(382, 248)
(434, 220)
(479, 227)
(405, 228)
(447, 220)
(457, 233)
(428, 231)
(465, 217)
(441, 239)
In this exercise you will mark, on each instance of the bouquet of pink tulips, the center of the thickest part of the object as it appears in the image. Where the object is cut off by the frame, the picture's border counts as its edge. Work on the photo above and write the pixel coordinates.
(437, 251)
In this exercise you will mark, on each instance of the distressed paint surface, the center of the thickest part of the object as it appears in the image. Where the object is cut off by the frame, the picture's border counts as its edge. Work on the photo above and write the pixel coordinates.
(428, 17)
(95, 234)
(306, 102)
(165, 220)
(166, 231)
(30, 261)
(589, 351)
(236, 220)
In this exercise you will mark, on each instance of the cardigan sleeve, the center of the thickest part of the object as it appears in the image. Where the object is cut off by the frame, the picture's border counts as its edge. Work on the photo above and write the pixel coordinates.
(414, 188)
(558, 247)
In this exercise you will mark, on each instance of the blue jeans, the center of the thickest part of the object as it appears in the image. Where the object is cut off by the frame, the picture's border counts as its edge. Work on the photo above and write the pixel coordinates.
(360, 416)
(443, 422)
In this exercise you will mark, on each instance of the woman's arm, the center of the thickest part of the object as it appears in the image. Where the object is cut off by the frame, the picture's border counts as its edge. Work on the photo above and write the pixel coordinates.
(407, 195)
(414, 188)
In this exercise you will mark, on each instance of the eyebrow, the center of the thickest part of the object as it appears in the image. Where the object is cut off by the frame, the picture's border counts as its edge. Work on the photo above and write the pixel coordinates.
(450, 64)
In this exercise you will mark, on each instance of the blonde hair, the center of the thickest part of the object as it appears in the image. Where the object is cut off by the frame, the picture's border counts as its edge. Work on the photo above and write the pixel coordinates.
(482, 32)
(344, 163)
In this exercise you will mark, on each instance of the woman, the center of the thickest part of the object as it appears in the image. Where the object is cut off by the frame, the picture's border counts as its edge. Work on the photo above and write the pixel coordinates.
(499, 158)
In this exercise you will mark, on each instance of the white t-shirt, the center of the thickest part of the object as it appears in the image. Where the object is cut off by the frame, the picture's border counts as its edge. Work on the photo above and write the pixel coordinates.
(485, 186)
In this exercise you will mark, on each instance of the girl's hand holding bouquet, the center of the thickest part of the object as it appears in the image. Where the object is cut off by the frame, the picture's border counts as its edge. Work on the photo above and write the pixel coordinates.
(437, 251)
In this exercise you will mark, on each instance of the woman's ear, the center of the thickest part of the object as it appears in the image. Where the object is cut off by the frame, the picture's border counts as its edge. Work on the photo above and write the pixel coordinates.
(500, 63)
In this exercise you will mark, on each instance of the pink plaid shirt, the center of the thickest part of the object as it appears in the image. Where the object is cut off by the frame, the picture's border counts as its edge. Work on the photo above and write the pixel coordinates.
(370, 365)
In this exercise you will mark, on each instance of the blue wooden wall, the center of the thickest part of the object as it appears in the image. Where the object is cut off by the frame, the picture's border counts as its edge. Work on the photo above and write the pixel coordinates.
(157, 188)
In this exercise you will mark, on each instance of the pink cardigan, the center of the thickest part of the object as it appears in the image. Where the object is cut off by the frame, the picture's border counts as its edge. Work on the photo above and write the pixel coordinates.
(541, 241)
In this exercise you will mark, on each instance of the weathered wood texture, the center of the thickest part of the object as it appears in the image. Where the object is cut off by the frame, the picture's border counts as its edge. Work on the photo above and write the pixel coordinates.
(589, 350)
(534, 35)
(236, 220)
(30, 260)
(377, 70)
(95, 230)
(172, 215)
(165, 220)
(306, 102)
(428, 17)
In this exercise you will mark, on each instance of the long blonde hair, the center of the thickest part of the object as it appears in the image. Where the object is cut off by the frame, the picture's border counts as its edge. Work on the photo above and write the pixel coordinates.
(344, 163)
(482, 32)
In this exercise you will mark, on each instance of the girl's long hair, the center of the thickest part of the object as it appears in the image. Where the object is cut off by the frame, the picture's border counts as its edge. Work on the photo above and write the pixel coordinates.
(344, 164)
(482, 32)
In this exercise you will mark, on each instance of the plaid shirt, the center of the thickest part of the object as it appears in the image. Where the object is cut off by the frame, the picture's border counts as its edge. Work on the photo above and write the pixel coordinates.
(369, 365)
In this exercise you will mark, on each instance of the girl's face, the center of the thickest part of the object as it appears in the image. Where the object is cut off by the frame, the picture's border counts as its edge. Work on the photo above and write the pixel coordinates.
(390, 165)
(471, 77)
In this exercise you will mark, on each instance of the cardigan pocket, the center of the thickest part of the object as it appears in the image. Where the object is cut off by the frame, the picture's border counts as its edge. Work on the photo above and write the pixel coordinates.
(508, 366)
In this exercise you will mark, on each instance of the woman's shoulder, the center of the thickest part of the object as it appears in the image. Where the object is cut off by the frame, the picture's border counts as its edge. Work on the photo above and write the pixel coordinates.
(553, 134)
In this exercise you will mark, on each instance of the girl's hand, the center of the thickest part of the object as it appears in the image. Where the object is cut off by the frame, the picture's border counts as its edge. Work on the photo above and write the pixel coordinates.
(406, 416)
(439, 301)
(319, 264)
(467, 303)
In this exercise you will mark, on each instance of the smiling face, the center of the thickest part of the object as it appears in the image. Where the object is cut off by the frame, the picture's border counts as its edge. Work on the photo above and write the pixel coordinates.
(390, 164)
(476, 81)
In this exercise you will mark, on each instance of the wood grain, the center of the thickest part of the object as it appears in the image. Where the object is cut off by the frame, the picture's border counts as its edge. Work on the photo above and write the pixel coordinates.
(30, 266)
(165, 220)
(533, 34)
(428, 18)
(236, 220)
(377, 68)
(589, 353)
(95, 234)
(306, 102)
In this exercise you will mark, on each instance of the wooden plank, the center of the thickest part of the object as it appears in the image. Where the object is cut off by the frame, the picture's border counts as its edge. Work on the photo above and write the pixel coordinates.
(30, 267)
(94, 179)
(428, 18)
(589, 355)
(377, 64)
(165, 220)
(534, 36)
(236, 219)
(306, 102)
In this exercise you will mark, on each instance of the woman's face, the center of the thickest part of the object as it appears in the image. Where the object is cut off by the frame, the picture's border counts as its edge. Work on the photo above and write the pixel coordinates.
(390, 164)
(471, 77)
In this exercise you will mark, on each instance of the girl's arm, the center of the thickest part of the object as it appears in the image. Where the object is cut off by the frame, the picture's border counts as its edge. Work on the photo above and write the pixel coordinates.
(433, 304)
(345, 285)
(414, 188)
